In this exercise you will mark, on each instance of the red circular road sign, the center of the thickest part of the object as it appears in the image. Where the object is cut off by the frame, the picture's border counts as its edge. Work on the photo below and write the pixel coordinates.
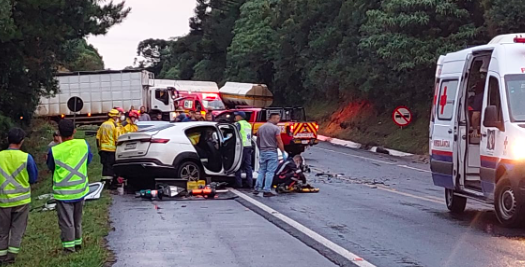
(402, 116)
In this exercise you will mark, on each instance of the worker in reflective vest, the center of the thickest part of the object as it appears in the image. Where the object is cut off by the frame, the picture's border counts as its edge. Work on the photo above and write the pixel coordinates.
(68, 161)
(107, 136)
(17, 171)
(245, 129)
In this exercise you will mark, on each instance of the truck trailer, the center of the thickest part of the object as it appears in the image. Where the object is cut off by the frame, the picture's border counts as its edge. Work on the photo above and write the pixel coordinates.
(95, 93)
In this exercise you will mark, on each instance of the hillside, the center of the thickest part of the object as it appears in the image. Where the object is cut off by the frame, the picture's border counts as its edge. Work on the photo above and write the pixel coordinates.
(334, 54)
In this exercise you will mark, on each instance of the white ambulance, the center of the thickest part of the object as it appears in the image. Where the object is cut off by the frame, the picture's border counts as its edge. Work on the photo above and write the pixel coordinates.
(477, 128)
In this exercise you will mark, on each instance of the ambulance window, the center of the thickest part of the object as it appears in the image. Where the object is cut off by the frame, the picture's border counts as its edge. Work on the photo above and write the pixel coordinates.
(447, 99)
(494, 96)
(516, 96)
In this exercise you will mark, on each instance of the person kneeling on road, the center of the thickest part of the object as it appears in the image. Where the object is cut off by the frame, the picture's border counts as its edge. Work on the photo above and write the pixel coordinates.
(17, 171)
(289, 172)
(68, 161)
(245, 129)
(268, 140)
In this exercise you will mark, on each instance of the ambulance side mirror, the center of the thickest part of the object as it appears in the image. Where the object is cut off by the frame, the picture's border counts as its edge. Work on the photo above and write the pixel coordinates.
(492, 119)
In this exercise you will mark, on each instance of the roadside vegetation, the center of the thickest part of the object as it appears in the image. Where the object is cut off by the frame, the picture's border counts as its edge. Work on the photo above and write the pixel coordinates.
(41, 245)
(382, 52)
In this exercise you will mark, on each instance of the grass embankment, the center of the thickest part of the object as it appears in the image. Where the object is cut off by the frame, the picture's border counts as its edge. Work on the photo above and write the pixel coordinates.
(359, 122)
(41, 245)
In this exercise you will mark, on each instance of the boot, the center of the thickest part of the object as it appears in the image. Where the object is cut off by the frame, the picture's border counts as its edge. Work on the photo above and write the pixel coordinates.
(9, 259)
(68, 251)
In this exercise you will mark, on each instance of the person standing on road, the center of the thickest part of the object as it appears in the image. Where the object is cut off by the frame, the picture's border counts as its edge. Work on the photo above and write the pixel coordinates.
(143, 115)
(245, 129)
(68, 161)
(268, 140)
(17, 170)
(107, 136)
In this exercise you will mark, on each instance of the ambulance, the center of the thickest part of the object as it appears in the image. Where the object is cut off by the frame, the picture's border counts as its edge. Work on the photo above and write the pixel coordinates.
(477, 127)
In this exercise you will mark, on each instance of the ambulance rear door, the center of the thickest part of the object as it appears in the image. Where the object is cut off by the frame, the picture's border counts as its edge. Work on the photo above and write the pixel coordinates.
(444, 154)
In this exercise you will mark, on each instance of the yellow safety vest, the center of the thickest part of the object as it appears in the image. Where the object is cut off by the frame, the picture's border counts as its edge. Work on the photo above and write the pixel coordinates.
(246, 133)
(70, 181)
(14, 179)
(131, 128)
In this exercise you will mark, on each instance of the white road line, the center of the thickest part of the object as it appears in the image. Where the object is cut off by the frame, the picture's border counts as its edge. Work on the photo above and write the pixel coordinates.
(303, 229)
(375, 160)
(359, 157)
(412, 168)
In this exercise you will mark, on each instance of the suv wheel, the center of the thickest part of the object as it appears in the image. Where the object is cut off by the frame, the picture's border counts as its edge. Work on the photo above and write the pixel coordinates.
(190, 171)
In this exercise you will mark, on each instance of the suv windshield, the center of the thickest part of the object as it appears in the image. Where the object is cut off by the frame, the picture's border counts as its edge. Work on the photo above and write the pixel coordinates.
(214, 104)
(516, 96)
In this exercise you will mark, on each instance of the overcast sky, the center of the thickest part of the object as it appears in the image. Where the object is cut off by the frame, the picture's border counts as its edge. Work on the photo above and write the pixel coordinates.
(148, 19)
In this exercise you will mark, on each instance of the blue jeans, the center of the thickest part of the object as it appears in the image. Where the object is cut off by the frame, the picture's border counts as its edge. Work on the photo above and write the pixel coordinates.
(268, 161)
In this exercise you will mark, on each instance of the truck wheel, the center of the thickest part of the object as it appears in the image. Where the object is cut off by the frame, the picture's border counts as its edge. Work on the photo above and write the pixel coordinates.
(509, 208)
(190, 171)
(455, 204)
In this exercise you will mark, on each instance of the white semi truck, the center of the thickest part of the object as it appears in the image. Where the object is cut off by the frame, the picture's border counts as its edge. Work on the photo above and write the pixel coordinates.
(94, 94)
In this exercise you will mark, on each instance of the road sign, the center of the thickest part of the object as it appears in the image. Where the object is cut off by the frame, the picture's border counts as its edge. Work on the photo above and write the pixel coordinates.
(402, 116)
(75, 104)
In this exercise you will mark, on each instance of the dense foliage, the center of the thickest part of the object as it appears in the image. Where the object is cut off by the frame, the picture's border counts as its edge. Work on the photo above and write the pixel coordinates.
(383, 51)
(38, 37)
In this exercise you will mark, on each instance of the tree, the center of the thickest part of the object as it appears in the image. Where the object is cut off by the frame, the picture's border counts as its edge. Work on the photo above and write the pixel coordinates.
(32, 38)
(81, 56)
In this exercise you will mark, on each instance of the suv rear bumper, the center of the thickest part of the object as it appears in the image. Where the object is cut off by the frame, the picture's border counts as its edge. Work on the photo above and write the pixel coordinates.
(144, 169)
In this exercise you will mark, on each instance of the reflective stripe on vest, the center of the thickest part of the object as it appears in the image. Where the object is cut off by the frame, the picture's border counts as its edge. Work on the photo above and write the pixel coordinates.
(246, 133)
(19, 193)
(63, 186)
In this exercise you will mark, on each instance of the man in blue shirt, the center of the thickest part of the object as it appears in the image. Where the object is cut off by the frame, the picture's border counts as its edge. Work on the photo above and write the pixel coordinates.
(17, 171)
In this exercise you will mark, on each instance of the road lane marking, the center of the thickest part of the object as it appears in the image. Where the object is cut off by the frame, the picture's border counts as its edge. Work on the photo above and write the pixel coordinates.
(413, 168)
(375, 160)
(358, 157)
(303, 229)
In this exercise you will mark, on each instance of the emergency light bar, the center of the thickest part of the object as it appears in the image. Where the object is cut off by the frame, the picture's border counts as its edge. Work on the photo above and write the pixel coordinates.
(519, 39)
(210, 96)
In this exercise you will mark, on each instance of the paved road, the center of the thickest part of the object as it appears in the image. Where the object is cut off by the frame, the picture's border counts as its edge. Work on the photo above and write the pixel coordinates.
(220, 233)
(383, 209)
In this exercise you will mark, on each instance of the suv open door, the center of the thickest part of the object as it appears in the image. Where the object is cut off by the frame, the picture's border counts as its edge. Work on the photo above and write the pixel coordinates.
(231, 148)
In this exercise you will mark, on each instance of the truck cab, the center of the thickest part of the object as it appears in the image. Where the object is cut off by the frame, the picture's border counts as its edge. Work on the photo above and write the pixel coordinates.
(296, 132)
(477, 128)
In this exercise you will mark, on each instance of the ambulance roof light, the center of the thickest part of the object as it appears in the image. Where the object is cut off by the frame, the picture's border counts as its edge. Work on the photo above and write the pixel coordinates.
(519, 39)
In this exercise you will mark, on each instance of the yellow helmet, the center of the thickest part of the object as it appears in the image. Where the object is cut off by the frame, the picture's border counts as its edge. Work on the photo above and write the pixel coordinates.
(113, 113)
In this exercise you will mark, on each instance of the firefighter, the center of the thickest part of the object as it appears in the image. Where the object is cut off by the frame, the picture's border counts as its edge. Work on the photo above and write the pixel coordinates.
(245, 129)
(107, 144)
(68, 161)
(132, 125)
(17, 171)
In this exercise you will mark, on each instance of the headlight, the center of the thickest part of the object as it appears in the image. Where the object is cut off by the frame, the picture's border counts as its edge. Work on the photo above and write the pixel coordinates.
(173, 115)
(518, 149)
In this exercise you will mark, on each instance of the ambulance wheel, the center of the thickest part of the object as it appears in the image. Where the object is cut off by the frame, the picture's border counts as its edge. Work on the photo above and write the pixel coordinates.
(455, 204)
(509, 208)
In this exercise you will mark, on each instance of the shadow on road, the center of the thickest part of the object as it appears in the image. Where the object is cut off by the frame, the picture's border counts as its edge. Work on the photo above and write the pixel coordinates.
(485, 221)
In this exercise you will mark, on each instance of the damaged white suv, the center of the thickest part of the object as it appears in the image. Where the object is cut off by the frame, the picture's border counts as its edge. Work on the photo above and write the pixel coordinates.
(186, 150)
